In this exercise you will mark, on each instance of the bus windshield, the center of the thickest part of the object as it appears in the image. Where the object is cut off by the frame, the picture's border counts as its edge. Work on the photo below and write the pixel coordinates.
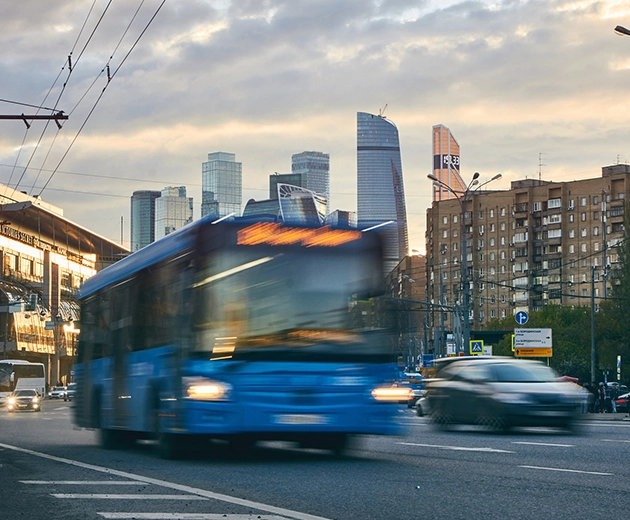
(21, 375)
(285, 303)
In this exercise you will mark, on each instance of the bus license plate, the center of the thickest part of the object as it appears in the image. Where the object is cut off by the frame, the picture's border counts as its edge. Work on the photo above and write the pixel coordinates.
(294, 418)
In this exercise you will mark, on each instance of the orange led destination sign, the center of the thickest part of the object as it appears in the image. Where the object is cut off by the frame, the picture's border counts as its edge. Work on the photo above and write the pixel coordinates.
(275, 234)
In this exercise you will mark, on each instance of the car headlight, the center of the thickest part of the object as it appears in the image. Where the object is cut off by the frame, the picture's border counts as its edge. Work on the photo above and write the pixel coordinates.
(36, 399)
(11, 400)
(391, 394)
(203, 389)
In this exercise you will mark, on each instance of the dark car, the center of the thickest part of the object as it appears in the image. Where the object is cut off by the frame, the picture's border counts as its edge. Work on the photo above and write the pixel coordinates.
(26, 399)
(71, 391)
(622, 403)
(498, 393)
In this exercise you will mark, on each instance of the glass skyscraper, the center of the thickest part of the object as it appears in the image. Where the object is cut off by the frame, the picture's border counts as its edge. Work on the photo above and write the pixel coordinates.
(315, 170)
(221, 185)
(380, 190)
(446, 164)
(143, 218)
(173, 210)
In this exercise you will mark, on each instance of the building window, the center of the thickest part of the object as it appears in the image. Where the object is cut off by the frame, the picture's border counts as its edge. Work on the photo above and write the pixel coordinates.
(571, 233)
(503, 298)
(454, 219)
(583, 248)
(583, 232)
(596, 246)
(503, 313)
(502, 226)
(502, 241)
(583, 201)
(480, 213)
(596, 231)
(595, 199)
(491, 213)
(492, 313)
(572, 293)
(492, 255)
(492, 242)
(583, 217)
(491, 228)
(444, 233)
(503, 212)
(444, 220)
(554, 203)
(502, 255)
(26, 266)
(444, 275)
(571, 218)
(595, 215)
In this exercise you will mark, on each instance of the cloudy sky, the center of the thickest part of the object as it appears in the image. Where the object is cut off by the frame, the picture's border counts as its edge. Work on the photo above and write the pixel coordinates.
(525, 87)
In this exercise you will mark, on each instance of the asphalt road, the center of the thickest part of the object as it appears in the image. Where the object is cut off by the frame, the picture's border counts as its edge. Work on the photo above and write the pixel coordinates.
(51, 470)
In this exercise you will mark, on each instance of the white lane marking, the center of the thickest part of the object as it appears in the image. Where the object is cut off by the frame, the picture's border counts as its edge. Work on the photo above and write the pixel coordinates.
(455, 448)
(171, 485)
(108, 496)
(567, 470)
(188, 516)
(84, 482)
(545, 444)
(613, 440)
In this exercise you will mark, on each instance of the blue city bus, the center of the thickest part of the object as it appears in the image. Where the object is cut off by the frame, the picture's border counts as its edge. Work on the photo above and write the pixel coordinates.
(239, 332)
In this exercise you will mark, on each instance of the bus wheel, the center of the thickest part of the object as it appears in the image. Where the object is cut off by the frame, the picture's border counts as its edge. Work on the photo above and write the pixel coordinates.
(110, 439)
(168, 446)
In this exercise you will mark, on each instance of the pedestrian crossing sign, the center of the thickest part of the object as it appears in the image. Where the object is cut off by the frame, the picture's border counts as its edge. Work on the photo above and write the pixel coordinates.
(476, 347)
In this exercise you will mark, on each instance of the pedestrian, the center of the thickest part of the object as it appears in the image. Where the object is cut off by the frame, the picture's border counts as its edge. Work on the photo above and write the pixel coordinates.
(614, 393)
(585, 397)
(601, 397)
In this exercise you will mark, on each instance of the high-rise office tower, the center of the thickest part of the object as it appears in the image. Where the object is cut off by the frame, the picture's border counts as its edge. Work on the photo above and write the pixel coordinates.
(143, 218)
(380, 190)
(221, 185)
(315, 169)
(173, 210)
(446, 164)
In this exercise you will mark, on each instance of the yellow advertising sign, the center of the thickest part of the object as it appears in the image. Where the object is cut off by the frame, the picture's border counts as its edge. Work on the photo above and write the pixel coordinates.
(533, 352)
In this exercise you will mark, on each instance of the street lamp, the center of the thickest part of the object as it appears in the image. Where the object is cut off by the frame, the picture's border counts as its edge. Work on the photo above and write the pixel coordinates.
(622, 30)
(462, 199)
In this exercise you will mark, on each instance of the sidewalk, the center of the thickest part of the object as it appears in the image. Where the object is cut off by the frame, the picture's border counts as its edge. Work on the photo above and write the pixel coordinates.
(619, 416)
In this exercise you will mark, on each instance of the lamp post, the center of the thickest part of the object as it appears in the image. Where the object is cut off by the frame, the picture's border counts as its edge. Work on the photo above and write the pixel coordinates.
(622, 31)
(462, 199)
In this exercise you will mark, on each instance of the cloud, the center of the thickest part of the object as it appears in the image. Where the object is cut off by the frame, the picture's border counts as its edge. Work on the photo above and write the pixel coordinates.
(267, 79)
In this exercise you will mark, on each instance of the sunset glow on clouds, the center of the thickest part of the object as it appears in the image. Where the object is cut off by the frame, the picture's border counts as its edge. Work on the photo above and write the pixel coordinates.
(515, 81)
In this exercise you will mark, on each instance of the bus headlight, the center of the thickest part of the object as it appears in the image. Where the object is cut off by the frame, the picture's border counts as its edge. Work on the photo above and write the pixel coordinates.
(202, 389)
(392, 394)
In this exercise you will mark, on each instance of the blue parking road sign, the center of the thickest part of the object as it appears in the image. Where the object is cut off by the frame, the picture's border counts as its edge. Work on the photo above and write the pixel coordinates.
(476, 347)
(521, 317)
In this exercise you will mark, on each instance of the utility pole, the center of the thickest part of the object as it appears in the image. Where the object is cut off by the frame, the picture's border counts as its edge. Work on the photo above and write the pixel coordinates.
(56, 117)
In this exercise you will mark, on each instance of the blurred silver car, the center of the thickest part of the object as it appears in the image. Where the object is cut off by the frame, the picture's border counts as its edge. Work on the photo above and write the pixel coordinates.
(499, 393)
